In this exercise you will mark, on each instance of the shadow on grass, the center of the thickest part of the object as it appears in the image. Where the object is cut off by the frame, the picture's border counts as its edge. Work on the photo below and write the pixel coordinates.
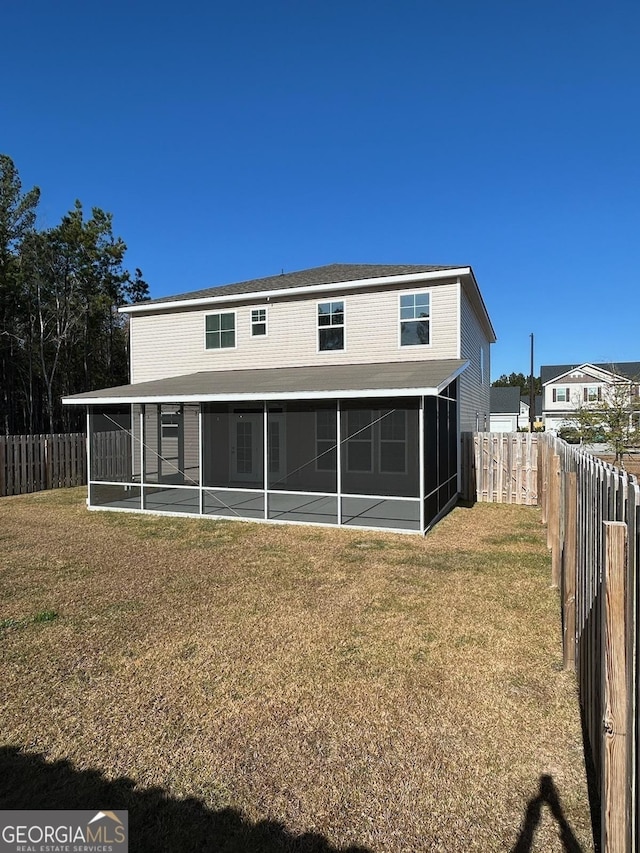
(547, 795)
(157, 821)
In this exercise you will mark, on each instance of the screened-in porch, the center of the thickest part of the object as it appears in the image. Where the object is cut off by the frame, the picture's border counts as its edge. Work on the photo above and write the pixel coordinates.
(372, 462)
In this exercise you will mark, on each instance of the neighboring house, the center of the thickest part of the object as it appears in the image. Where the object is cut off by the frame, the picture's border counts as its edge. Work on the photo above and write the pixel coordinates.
(510, 410)
(505, 409)
(567, 387)
(525, 405)
(240, 396)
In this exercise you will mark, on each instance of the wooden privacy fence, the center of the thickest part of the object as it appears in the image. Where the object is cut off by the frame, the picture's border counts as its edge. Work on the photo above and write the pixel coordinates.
(30, 463)
(592, 512)
(500, 467)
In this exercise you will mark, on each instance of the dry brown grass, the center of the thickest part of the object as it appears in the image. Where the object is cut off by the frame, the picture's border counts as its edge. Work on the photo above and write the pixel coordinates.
(398, 693)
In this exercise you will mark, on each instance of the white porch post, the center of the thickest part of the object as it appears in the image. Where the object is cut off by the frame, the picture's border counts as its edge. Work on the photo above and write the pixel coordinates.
(339, 459)
(421, 460)
(265, 454)
(200, 457)
(143, 455)
(88, 456)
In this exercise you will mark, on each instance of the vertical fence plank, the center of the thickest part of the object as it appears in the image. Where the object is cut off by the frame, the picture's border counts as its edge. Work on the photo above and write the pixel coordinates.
(569, 567)
(3, 467)
(615, 801)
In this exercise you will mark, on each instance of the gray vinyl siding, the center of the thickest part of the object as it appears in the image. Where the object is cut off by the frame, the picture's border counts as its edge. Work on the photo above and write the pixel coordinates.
(172, 343)
(474, 388)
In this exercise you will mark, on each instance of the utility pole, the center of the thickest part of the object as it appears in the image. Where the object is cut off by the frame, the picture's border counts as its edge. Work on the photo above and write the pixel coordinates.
(532, 396)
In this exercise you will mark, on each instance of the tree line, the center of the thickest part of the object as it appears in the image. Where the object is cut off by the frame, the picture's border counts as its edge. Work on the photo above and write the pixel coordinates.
(518, 380)
(60, 288)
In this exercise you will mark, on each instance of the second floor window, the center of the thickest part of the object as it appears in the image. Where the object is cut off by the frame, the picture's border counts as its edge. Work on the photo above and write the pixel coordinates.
(560, 395)
(414, 320)
(592, 394)
(330, 326)
(220, 331)
(258, 322)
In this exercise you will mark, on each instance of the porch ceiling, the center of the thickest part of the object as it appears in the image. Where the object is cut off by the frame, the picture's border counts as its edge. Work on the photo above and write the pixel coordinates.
(390, 379)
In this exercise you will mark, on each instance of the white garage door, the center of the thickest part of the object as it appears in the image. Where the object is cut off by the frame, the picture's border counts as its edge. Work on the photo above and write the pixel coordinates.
(502, 424)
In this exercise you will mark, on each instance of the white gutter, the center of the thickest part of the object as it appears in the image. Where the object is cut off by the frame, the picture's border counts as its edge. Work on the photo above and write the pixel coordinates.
(382, 281)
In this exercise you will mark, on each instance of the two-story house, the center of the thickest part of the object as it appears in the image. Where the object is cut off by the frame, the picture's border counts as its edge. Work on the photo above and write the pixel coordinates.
(333, 395)
(568, 387)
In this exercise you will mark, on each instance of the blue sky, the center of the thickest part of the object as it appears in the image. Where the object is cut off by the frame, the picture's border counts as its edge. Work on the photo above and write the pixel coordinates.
(233, 140)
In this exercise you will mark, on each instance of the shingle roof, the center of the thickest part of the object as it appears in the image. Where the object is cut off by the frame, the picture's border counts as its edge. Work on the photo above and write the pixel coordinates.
(630, 369)
(290, 382)
(327, 274)
(504, 400)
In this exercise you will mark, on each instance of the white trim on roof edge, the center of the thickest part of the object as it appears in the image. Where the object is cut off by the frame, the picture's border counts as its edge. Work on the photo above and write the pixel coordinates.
(587, 367)
(144, 307)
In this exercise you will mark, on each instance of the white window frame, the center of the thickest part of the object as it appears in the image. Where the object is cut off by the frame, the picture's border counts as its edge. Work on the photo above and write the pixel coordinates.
(235, 330)
(597, 393)
(343, 326)
(403, 441)
(401, 321)
(253, 323)
(566, 394)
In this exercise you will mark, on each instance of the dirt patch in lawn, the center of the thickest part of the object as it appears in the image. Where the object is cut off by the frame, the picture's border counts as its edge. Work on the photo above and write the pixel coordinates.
(262, 687)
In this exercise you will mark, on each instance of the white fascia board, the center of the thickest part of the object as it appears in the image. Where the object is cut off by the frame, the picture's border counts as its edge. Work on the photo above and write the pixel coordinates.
(253, 397)
(381, 281)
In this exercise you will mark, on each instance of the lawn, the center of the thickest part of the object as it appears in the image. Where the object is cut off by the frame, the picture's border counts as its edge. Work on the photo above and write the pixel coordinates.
(245, 687)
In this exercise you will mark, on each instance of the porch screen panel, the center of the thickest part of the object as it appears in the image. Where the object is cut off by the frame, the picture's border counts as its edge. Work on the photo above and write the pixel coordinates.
(380, 448)
(453, 448)
(443, 453)
(136, 436)
(191, 450)
(240, 503)
(381, 513)
(161, 499)
(302, 462)
(151, 450)
(111, 444)
(232, 446)
(301, 441)
(113, 496)
(430, 458)
(171, 444)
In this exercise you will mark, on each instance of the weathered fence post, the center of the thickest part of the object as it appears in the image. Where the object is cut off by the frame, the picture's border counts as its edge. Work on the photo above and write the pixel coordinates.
(569, 569)
(616, 743)
(553, 526)
(47, 465)
(544, 481)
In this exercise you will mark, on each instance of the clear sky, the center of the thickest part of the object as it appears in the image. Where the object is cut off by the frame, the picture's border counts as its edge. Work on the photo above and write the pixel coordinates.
(233, 140)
